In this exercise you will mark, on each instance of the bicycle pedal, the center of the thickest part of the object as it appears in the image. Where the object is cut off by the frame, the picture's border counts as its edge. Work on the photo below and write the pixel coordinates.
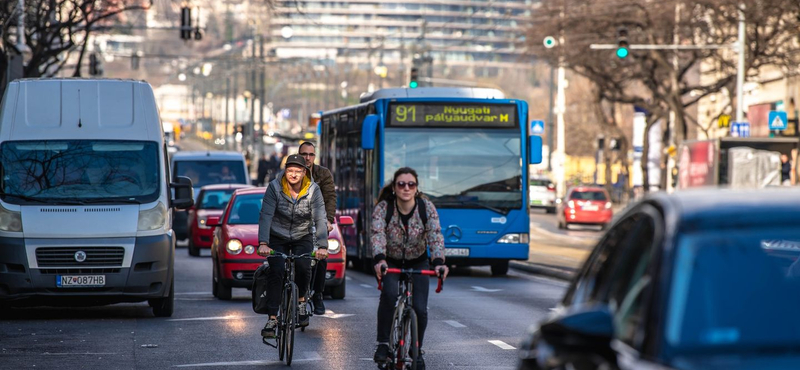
(265, 341)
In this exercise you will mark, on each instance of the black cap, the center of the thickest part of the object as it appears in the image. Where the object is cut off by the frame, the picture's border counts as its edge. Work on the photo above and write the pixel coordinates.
(296, 160)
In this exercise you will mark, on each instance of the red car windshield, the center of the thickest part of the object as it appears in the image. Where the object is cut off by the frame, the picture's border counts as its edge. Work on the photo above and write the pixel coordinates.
(246, 210)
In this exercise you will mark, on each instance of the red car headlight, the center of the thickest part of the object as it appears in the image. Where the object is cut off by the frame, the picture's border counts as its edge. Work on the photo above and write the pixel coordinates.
(334, 246)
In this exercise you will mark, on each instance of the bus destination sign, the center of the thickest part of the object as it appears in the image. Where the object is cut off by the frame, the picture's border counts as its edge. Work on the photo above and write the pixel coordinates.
(452, 115)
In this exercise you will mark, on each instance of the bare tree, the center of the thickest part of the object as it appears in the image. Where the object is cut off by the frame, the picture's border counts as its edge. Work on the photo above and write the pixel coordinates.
(55, 29)
(663, 81)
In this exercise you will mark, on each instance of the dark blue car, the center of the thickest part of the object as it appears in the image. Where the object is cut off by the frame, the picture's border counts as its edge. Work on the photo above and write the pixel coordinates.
(705, 279)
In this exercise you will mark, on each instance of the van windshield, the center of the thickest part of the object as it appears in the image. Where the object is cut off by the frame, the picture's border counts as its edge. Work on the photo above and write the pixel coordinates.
(205, 173)
(79, 171)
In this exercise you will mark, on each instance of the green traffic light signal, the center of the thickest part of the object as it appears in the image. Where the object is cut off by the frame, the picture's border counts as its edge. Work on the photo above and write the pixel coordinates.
(413, 84)
(622, 53)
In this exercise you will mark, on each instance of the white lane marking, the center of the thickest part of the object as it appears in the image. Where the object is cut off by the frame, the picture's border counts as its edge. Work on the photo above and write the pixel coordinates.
(367, 286)
(348, 278)
(455, 324)
(482, 289)
(194, 293)
(229, 317)
(196, 299)
(247, 363)
(333, 315)
(501, 344)
(78, 353)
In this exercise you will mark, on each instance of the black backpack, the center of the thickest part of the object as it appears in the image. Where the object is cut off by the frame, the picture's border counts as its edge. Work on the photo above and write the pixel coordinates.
(423, 214)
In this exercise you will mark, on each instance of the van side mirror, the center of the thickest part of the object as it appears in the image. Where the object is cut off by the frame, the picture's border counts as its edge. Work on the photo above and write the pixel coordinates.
(345, 221)
(213, 221)
(184, 195)
(534, 149)
(368, 130)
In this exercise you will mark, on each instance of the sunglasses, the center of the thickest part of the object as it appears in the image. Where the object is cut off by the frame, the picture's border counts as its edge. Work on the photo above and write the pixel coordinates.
(410, 184)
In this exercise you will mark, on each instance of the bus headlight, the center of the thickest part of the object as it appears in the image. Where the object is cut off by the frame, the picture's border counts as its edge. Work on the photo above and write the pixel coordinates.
(234, 246)
(153, 218)
(10, 220)
(334, 246)
(514, 238)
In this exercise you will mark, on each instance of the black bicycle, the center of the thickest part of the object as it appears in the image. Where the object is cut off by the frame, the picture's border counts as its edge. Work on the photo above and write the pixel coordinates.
(404, 335)
(287, 313)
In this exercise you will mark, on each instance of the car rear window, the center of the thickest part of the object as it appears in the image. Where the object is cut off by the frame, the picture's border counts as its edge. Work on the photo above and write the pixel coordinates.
(205, 173)
(589, 195)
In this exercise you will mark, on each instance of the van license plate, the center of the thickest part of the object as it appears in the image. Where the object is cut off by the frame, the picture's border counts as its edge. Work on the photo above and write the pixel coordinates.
(461, 252)
(80, 281)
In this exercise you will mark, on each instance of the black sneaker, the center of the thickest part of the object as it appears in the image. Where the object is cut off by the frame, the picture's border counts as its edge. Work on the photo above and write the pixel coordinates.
(420, 361)
(381, 354)
(319, 306)
(270, 329)
(302, 315)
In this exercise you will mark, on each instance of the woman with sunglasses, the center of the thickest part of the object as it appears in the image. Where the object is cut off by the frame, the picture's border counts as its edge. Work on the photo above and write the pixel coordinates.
(402, 243)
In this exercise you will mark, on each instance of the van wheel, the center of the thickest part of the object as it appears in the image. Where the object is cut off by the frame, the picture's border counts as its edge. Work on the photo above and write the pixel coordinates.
(338, 291)
(163, 307)
(500, 268)
(214, 291)
(193, 250)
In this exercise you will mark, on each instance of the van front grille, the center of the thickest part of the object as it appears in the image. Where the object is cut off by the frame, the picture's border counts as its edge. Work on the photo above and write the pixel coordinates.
(66, 256)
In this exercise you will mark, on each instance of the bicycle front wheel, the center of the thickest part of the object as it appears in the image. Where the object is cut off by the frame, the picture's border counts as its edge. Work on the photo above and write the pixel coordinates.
(283, 320)
(410, 339)
(291, 322)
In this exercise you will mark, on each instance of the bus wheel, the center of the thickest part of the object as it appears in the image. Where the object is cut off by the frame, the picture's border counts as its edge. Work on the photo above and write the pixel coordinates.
(500, 268)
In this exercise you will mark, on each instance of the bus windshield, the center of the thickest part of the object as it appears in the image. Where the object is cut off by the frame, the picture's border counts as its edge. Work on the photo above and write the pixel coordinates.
(460, 168)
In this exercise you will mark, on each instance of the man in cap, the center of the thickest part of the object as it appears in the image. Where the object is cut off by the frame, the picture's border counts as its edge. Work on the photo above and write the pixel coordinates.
(292, 209)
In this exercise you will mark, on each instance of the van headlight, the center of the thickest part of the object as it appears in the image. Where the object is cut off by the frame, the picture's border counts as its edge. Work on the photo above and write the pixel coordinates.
(515, 238)
(234, 246)
(10, 220)
(153, 218)
(334, 246)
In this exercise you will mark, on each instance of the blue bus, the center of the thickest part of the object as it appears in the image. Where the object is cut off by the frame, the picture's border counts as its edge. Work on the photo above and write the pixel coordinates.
(471, 150)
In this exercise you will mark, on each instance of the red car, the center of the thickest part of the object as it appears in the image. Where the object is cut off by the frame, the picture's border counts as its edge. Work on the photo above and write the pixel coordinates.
(233, 250)
(588, 205)
(211, 201)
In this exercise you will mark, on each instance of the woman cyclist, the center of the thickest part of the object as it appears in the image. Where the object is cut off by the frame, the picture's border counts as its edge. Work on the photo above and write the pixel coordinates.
(402, 243)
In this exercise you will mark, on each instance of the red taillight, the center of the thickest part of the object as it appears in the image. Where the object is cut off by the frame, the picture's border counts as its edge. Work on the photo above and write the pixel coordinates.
(551, 187)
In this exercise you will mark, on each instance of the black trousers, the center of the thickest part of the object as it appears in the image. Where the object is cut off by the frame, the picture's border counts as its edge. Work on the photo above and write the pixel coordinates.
(319, 277)
(389, 295)
(277, 269)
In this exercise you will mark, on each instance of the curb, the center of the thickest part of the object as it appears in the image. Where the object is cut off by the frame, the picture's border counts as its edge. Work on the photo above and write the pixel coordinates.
(561, 274)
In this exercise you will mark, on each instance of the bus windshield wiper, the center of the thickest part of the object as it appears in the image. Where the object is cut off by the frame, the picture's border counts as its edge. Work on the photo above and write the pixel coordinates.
(501, 211)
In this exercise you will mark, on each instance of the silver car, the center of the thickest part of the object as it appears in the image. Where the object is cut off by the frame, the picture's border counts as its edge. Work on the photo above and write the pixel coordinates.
(542, 194)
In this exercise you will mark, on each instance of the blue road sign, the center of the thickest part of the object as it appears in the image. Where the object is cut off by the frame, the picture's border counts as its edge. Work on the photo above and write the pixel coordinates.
(537, 127)
(740, 129)
(778, 120)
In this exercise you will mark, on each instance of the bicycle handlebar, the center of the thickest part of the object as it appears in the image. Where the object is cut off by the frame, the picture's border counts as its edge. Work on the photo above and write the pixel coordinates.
(295, 256)
(385, 270)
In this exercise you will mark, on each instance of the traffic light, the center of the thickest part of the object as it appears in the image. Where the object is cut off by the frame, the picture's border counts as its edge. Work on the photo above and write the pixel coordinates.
(95, 66)
(414, 81)
(622, 43)
(186, 23)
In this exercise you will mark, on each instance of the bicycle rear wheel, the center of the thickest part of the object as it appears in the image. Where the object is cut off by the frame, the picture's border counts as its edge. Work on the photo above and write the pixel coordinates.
(291, 322)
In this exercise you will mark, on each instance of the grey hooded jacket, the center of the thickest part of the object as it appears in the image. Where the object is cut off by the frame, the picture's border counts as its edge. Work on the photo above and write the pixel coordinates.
(287, 219)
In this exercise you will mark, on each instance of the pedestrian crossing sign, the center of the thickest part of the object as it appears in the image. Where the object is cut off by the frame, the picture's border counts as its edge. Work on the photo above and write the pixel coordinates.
(537, 127)
(778, 120)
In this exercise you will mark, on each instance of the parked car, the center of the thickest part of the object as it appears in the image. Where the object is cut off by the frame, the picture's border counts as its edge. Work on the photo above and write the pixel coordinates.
(206, 168)
(211, 201)
(701, 279)
(542, 193)
(235, 243)
(587, 205)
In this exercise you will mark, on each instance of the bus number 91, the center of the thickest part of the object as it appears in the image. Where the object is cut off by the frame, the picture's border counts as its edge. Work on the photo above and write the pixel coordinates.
(402, 113)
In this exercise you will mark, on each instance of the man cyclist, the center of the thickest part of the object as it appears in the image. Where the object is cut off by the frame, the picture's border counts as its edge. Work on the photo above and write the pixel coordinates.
(292, 216)
(324, 179)
(403, 242)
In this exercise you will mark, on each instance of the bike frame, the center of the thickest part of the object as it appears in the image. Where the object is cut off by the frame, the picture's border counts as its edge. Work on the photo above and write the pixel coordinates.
(404, 344)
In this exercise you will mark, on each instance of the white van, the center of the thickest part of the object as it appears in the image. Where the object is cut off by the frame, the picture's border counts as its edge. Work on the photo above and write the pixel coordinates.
(85, 195)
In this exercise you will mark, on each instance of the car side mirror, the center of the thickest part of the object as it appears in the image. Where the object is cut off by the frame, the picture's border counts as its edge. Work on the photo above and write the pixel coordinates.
(213, 221)
(589, 329)
(184, 195)
(345, 221)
